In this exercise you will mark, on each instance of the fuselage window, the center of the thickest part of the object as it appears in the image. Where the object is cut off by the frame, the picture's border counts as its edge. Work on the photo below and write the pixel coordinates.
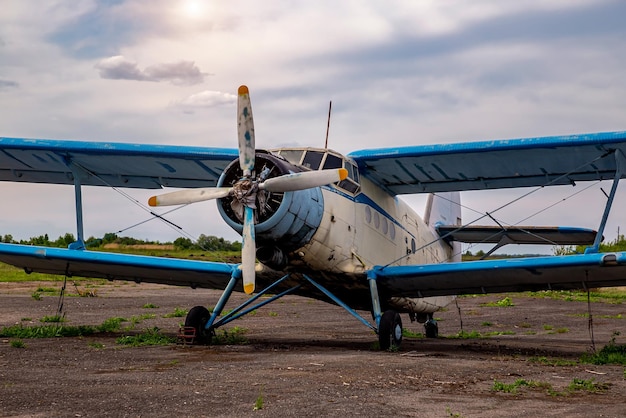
(376, 220)
(368, 214)
(392, 230)
(413, 247)
(385, 226)
(313, 159)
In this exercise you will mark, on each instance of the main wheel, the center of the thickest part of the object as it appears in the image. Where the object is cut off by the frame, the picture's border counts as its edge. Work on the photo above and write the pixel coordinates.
(390, 330)
(431, 327)
(197, 318)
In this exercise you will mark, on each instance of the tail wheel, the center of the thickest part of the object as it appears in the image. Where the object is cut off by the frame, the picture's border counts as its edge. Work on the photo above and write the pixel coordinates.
(197, 318)
(390, 330)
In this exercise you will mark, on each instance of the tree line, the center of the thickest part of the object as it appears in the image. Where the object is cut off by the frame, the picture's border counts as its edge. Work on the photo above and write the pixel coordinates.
(204, 242)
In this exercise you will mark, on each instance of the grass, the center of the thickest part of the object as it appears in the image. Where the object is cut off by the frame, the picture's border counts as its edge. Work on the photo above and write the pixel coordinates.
(18, 344)
(232, 336)
(473, 335)
(150, 306)
(556, 362)
(258, 403)
(178, 313)
(576, 385)
(151, 336)
(609, 354)
(410, 334)
(506, 302)
(53, 318)
(607, 295)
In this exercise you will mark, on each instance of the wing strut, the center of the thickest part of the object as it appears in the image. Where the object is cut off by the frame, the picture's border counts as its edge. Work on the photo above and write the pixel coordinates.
(79, 244)
(620, 168)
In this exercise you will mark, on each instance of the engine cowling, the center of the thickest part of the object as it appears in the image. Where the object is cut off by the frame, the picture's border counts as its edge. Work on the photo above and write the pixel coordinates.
(284, 221)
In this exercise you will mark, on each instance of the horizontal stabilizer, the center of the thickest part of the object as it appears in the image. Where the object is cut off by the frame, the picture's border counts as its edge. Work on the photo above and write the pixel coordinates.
(549, 235)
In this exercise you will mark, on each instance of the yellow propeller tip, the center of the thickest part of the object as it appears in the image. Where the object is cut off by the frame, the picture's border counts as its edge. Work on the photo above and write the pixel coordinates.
(152, 201)
(243, 90)
(343, 173)
(248, 288)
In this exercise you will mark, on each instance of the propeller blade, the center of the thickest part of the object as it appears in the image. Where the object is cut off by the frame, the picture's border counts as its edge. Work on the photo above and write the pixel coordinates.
(245, 132)
(303, 180)
(248, 251)
(183, 197)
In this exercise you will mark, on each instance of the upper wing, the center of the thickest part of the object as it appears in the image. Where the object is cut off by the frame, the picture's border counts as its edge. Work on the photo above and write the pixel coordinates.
(507, 275)
(104, 265)
(492, 164)
(111, 164)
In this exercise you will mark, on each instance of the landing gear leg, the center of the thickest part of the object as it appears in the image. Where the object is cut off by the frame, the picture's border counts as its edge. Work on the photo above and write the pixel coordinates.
(431, 328)
(390, 330)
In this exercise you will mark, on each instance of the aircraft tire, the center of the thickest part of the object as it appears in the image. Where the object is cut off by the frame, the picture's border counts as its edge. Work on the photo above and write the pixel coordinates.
(390, 330)
(431, 329)
(197, 317)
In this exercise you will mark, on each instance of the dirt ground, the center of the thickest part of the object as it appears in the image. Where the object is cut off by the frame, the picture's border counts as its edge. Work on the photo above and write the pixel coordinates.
(305, 358)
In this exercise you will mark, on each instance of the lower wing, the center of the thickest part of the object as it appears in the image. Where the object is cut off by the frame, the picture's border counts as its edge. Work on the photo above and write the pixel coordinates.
(506, 275)
(111, 266)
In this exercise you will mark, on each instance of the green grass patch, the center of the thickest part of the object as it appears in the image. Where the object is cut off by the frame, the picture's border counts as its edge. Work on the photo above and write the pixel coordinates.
(505, 302)
(18, 344)
(112, 324)
(53, 318)
(150, 306)
(410, 334)
(609, 354)
(178, 313)
(607, 295)
(556, 362)
(47, 331)
(587, 385)
(232, 336)
(151, 336)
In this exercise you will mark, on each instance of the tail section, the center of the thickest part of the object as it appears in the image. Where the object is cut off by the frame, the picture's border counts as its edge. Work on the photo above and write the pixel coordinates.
(445, 209)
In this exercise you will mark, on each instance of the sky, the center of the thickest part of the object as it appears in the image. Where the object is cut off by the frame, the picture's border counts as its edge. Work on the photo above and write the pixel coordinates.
(398, 73)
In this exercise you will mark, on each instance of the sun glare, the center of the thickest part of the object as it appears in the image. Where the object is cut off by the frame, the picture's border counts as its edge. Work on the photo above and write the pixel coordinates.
(194, 8)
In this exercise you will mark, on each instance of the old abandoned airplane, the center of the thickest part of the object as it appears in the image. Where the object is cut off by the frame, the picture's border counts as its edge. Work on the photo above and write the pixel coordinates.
(328, 226)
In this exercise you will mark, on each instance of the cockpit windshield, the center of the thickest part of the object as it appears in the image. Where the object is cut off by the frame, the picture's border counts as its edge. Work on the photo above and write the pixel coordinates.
(315, 159)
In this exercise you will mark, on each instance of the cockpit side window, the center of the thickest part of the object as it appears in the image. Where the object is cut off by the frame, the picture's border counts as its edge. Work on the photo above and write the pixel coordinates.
(313, 159)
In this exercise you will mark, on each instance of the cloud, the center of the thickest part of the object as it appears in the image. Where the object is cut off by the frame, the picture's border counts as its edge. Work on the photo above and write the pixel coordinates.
(7, 84)
(177, 73)
(205, 99)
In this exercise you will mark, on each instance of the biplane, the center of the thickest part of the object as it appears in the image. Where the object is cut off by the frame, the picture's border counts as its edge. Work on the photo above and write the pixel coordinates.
(333, 227)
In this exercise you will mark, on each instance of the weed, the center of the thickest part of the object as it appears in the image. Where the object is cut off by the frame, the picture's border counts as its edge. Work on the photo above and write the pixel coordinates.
(53, 318)
(46, 331)
(273, 313)
(512, 387)
(548, 327)
(589, 385)
(18, 344)
(506, 302)
(487, 324)
(151, 336)
(112, 324)
(410, 334)
(552, 361)
(96, 345)
(150, 306)
(258, 403)
(525, 325)
(233, 336)
(562, 330)
(464, 335)
(609, 354)
(36, 295)
(495, 333)
(452, 414)
(178, 313)
(26, 319)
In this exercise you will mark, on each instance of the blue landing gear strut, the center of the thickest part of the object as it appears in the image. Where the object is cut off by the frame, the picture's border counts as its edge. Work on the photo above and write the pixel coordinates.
(203, 324)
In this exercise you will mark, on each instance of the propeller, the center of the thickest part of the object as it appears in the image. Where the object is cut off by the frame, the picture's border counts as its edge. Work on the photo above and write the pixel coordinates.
(245, 190)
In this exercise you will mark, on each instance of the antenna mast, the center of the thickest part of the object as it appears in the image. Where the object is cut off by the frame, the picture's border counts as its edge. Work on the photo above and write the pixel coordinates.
(330, 106)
